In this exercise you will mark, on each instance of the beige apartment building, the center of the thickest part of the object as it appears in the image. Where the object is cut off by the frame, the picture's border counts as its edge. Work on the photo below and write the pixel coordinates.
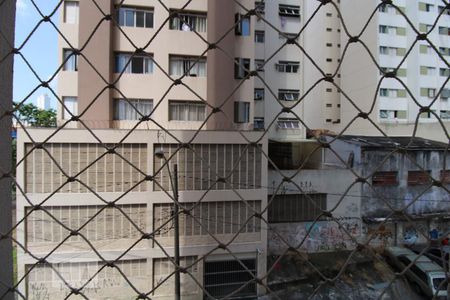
(111, 86)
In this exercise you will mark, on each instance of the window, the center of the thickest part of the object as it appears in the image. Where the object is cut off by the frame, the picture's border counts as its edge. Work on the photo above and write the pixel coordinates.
(241, 112)
(428, 7)
(328, 120)
(384, 92)
(260, 7)
(186, 111)
(259, 94)
(259, 36)
(134, 64)
(225, 277)
(190, 66)
(198, 175)
(444, 30)
(392, 114)
(289, 10)
(426, 115)
(329, 105)
(328, 90)
(189, 22)
(424, 70)
(296, 207)
(383, 29)
(109, 174)
(445, 94)
(426, 49)
(419, 177)
(444, 50)
(444, 72)
(445, 114)
(287, 35)
(288, 123)
(329, 60)
(71, 107)
(242, 26)
(241, 68)
(135, 17)
(71, 60)
(71, 12)
(329, 44)
(446, 11)
(431, 93)
(258, 123)
(288, 95)
(445, 176)
(287, 66)
(133, 109)
(259, 65)
(385, 178)
(329, 14)
(329, 29)
(384, 50)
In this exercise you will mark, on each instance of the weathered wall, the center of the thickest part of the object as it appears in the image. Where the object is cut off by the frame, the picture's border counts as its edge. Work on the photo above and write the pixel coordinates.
(433, 200)
(322, 235)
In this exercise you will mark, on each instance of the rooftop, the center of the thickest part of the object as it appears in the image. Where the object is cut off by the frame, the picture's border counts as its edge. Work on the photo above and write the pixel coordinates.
(391, 143)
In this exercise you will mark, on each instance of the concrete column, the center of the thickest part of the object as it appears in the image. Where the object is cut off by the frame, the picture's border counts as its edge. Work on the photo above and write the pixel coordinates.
(220, 67)
(7, 22)
(99, 52)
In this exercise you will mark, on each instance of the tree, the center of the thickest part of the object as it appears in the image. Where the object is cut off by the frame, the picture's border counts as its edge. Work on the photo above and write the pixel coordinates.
(34, 116)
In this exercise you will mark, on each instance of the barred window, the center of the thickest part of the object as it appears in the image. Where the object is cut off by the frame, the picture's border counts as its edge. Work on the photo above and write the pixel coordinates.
(187, 111)
(132, 109)
(287, 66)
(419, 177)
(296, 207)
(259, 94)
(107, 174)
(288, 123)
(259, 65)
(259, 36)
(103, 223)
(225, 277)
(189, 21)
(222, 217)
(385, 178)
(135, 17)
(288, 95)
(134, 64)
(445, 176)
(289, 10)
(191, 66)
(198, 171)
(258, 123)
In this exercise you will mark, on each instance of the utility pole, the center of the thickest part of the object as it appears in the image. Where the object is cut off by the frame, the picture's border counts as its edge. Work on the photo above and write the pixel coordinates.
(174, 183)
(177, 233)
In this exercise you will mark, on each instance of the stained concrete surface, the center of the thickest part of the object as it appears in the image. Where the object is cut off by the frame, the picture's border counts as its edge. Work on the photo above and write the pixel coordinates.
(365, 276)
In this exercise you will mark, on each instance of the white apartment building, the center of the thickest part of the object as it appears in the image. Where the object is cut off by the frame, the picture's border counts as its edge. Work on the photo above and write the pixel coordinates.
(389, 37)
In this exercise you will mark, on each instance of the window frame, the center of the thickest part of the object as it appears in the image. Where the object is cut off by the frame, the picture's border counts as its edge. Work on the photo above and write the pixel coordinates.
(199, 106)
(122, 20)
(287, 10)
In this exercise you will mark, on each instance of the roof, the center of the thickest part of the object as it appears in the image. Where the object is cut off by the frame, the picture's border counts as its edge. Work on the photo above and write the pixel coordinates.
(394, 142)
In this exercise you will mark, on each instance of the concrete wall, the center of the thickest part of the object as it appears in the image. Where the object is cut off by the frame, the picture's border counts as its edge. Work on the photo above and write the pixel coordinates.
(430, 200)
(323, 235)
(146, 250)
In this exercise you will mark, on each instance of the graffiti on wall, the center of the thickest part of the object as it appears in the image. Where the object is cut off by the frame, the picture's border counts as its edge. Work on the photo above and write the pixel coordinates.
(320, 236)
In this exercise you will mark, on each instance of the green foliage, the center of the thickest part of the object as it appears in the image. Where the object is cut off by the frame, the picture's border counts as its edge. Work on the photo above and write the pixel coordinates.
(33, 116)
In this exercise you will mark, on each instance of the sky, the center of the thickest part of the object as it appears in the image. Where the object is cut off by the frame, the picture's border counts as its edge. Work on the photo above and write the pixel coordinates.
(40, 50)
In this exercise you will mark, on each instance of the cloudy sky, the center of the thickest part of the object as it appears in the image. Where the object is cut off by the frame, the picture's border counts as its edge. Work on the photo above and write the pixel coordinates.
(40, 49)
